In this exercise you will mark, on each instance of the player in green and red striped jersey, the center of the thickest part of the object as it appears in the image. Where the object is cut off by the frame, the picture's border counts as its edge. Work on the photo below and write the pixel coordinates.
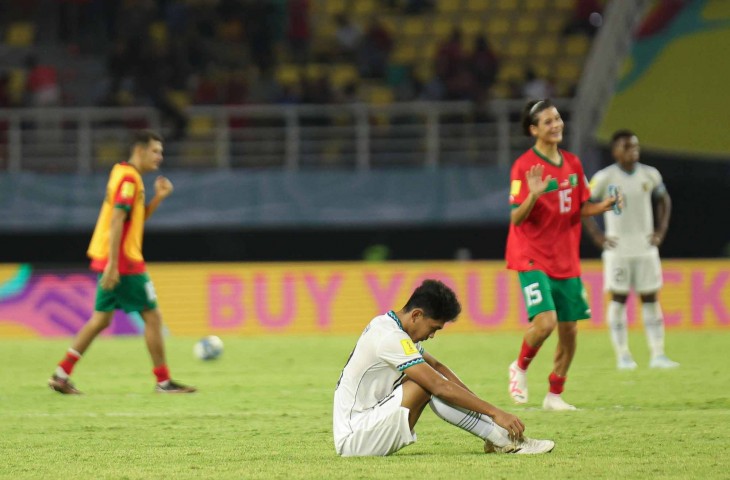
(548, 194)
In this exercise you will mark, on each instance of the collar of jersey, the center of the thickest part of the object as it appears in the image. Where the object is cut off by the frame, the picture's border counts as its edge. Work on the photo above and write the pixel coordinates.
(392, 315)
(544, 158)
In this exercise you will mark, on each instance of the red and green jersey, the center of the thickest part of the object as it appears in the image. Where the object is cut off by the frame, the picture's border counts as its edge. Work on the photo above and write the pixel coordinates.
(549, 238)
(125, 190)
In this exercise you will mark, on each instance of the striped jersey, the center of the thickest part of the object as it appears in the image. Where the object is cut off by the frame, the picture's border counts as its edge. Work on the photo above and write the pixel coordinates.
(375, 368)
(124, 190)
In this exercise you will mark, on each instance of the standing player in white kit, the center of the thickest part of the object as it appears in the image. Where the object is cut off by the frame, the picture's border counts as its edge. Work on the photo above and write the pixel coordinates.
(630, 246)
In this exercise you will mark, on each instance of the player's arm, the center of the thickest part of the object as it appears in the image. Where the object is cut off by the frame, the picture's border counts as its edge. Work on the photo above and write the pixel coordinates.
(663, 212)
(589, 209)
(110, 276)
(443, 370)
(598, 237)
(163, 189)
(452, 392)
(536, 186)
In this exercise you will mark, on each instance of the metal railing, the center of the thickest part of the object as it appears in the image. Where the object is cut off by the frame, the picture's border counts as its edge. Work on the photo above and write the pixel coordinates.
(351, 136)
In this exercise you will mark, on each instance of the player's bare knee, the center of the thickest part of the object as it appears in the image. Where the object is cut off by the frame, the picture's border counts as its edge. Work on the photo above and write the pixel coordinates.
(619, 297)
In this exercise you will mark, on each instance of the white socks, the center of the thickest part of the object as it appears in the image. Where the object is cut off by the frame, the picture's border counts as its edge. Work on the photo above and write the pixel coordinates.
(475, 423)
(654, 326)
(618, 326)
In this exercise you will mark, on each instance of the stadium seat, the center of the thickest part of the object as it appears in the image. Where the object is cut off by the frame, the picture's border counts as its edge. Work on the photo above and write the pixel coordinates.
(288, 74)
(567, 5)
(546, 46)
(471, 27)
(567, 70)
(475, 6)
(364, 7)
(404, 54)
(448, 6)
(507, 5)
(518, 48)
(576, 45)
(535, 5)
(413, 27)
(498, 26)
(342, 74)
(108, 152)
(441, 27)
(20, 34)
(527, 25)
(201, 126)
(378, 95)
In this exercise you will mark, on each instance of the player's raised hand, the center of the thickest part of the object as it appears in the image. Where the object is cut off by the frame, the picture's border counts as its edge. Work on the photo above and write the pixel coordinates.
(163, 187)
(535, 182)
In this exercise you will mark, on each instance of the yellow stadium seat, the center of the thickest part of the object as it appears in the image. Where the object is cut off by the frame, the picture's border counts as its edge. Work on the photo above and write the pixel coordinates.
(527, 25)
(552, 24)
(315, 70)
(535, 5)
(518, 47)
(508, 5)
(404, 54)
(333, 7)
(476, 6)
(500, 90)
(179, 98)
(380, 96)
(448, 6)
(564, 4)
(413, 27)
(390, 23)
(472, 27)
(567, 71)
(343, 74)
(108, 152)
(16, 85)
(442, 27)
(511, 71)
(364, 7)
(157, 32)
(546, 46)
(576, 45)
(287, 74)
(498, 26)
(20, 34)
(201, 126)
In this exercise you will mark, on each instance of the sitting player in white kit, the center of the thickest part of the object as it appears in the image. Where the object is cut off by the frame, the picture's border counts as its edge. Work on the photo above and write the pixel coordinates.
(389, 379)
(630, 246)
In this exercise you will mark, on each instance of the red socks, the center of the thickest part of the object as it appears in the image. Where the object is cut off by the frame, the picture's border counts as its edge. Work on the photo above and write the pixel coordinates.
(527, 353)
(162, 373)
(556, 383)
(68, 362)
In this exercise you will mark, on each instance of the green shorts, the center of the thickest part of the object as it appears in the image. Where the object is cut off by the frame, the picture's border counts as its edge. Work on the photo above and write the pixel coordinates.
(566, 296)
(133, 293)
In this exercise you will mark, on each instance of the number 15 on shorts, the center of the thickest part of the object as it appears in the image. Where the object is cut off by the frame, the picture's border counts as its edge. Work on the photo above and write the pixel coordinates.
(533, 296)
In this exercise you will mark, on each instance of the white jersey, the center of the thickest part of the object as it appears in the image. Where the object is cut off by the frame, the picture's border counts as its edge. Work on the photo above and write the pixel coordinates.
(634, 226)
(374, 369)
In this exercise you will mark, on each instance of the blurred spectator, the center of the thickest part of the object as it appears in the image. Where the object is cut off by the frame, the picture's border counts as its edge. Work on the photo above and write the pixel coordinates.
(416, 7)
(348, 37)
(587, 18)
(73, 21)
(4, 89)
(450, 56)
(536, 88)
(118, 67)
(298, 31)
(484, 63)
(375, 50)
(42, 83)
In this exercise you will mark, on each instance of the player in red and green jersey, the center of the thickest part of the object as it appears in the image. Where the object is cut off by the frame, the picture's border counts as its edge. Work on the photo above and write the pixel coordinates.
(116, 254)
(548, 194)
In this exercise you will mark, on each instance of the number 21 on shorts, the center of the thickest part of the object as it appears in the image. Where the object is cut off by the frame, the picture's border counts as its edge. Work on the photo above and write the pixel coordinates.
(533, 296)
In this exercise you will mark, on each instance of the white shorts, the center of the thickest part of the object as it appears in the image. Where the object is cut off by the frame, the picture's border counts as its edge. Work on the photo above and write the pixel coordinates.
(380, 431)
(641, 273)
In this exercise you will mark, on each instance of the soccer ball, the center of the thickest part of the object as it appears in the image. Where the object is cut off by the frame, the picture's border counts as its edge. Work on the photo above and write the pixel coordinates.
(208, 348)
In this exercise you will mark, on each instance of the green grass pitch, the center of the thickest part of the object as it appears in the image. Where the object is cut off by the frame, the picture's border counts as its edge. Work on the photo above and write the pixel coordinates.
(264, 411)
